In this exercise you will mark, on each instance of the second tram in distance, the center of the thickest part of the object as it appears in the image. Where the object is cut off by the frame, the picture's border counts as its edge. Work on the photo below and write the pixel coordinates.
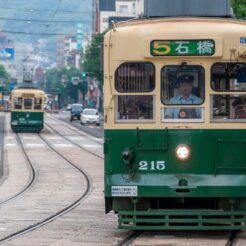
(27, 109)
(175, 123)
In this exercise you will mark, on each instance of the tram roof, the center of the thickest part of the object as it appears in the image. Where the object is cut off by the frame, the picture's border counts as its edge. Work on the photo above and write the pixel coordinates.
(180, 28)
(23, 90)
(184, 19)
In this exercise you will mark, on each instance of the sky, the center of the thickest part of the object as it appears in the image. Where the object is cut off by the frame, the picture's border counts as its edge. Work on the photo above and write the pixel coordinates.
(31, 20)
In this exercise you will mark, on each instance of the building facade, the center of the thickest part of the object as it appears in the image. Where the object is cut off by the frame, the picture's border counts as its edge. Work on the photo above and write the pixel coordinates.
(106, 11)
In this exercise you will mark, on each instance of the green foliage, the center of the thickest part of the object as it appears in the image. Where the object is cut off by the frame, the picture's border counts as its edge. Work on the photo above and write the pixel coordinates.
(239, 8)
(5, 77)
(3, 74)
(92, 59)
(66, 89)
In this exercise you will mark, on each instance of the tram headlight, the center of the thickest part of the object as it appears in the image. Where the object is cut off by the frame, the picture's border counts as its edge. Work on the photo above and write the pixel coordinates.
(183, 152)
(127, 156)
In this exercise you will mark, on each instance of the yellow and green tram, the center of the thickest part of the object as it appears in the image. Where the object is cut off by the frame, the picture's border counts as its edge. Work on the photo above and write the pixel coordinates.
(175, 123)
(27, 110)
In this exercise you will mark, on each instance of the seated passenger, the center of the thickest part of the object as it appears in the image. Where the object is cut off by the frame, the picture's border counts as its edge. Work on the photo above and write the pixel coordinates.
(185, 97)
(132, 111)
(240, 108)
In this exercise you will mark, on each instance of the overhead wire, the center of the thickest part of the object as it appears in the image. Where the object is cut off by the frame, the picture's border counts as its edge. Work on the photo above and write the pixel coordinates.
(36, 20)
(44, 33)
(44, 10)
(52, 17)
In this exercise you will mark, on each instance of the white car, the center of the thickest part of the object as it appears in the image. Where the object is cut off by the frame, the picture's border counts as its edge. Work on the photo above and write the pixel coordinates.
(90, 116)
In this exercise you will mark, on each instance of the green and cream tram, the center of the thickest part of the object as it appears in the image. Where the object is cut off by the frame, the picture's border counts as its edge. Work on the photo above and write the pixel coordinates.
(175, 123)
(27, 110)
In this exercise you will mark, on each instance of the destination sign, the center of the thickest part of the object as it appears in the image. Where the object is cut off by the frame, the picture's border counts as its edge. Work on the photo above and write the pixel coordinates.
(204, 47)
(27, 95)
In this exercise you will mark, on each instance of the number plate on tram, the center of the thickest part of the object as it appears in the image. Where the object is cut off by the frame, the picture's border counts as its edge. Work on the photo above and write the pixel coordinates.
(124, 190)
(204, 47)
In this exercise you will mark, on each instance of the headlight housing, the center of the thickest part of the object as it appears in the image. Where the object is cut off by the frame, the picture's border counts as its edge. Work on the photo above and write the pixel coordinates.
(183, 152)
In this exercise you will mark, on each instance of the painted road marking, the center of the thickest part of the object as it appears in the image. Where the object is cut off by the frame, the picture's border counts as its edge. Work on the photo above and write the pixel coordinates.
(63, 145)
(91, 146)
(34, 145)
(53, 138)
(10, 144)
(77, 138)
(29, 137)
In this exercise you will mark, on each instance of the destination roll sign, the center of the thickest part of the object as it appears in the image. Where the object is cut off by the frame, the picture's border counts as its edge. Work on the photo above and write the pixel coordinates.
(204, 47)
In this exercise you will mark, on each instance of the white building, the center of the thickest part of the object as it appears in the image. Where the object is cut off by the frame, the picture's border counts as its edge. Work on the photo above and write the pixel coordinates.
(115, 10)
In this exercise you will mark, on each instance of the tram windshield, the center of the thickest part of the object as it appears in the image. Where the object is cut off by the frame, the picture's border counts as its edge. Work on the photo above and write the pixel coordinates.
(135, 77)
(17, 103)
(228, 78)
(38, 103)
(182, 88)
(27, 103)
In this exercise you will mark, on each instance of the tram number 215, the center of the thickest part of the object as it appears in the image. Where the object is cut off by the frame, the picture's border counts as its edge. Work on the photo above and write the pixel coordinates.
(152, 165)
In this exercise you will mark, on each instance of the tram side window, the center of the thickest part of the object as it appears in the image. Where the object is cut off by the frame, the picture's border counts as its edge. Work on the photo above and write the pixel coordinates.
(228, 108)
(182, 85)
(135, 77)
(38, 103)
(18, 103)
(27, 103)
(228, 77)
(135, 108)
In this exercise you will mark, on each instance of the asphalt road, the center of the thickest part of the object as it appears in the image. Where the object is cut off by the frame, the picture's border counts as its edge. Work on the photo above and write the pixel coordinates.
(96, 131)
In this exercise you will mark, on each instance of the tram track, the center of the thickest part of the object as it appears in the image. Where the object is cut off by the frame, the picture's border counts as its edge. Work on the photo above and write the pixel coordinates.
(57, 214)
(32, 173)
(76, 130)
(30, 166)
(73, 142)
(131, 238)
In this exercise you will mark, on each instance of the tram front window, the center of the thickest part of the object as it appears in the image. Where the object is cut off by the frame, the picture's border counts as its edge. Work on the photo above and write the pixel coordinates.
(38, 103)
(135, 108)
(182, 85)
(228, 78)
(17, 103)
(27, 103)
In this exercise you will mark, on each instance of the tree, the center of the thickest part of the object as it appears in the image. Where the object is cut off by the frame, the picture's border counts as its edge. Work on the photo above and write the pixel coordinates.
(92, 59)
(67, 89)
(4, 77)
(239, 8)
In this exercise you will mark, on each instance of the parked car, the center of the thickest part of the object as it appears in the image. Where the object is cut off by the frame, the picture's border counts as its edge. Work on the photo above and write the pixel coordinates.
(69, 106)
(76, 110)
(91, 116)
(46, 107)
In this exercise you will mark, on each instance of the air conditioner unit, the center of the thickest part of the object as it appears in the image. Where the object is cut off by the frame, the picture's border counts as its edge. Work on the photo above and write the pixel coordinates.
(203, 8)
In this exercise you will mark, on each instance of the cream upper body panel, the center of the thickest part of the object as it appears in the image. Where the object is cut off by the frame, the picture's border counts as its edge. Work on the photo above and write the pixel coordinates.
(21, 92)
(130, 41)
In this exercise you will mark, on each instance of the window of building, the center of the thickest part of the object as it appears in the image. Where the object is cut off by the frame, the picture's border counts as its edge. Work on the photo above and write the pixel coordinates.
(228, 77)
(182, 85)
(123, 8)
(135, 77)
(135, 108)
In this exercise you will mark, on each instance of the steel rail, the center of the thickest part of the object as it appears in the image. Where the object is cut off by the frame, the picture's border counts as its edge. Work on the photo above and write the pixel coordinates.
(59, 213)
(78, 131)
(129, 238)
(76, 144)
(30, 166)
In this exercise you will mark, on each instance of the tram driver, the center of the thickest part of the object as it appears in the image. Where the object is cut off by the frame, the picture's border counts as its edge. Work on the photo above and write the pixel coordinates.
(185, 96)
